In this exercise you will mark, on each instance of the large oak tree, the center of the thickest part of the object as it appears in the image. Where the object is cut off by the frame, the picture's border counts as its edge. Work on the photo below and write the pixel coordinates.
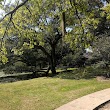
(44, 23)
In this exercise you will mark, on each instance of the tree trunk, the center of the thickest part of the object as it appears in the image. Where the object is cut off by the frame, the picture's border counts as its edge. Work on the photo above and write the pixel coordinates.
(47, 72)
(52, 57)
(63, 27)
(53, 60)
(53, 70)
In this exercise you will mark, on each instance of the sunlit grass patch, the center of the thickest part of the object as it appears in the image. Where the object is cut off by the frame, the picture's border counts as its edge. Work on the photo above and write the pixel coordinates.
(45, 93)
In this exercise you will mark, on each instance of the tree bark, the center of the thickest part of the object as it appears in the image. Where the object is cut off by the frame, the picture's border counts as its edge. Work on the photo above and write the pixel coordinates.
(53, 60)
(63, 26)
(53, 70)
(47, 72)
(51, 56)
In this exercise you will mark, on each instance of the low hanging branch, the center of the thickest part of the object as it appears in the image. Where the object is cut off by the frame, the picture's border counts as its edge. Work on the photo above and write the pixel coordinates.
(43, 50)
(10, 20)
(14, 10)
(7, 26)
(11, 16)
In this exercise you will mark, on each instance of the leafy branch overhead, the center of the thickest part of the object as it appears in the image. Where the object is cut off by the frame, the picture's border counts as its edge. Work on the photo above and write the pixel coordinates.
(14, 10)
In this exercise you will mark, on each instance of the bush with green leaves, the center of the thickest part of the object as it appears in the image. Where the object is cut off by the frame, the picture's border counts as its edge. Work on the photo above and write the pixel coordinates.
(86, 73)
(68, 60)
(101, 49)
(96, 70)
(75, 59)
(9, 69)
(20, 66)
(101, 65)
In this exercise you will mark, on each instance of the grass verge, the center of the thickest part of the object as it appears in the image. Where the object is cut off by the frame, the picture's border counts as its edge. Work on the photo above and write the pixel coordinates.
(45, 93)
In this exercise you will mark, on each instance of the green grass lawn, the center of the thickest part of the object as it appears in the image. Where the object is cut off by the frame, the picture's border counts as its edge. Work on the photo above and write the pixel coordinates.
(45, 93)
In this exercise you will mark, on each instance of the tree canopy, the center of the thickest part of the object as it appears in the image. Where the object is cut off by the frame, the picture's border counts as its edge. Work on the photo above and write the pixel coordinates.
(43, 24)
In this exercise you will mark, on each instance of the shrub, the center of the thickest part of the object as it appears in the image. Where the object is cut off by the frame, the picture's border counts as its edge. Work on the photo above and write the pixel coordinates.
(9, 70)
(72, 60)
(102, 68)
(96, 70)
(20, 66)
(68, 60)
(101, 64)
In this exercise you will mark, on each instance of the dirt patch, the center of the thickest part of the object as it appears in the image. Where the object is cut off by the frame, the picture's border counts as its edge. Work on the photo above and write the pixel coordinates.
(102, 78)
(29, 103)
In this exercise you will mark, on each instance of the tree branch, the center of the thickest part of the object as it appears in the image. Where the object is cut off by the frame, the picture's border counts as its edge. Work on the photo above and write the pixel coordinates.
(10, 19)
(14, 10)
(28, 9)
(76, 11)
(57, 38)
(43, 50)
(107, 1)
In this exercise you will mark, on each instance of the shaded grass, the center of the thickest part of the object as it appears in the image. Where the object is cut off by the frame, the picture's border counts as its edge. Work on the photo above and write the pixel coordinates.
(45, 93)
